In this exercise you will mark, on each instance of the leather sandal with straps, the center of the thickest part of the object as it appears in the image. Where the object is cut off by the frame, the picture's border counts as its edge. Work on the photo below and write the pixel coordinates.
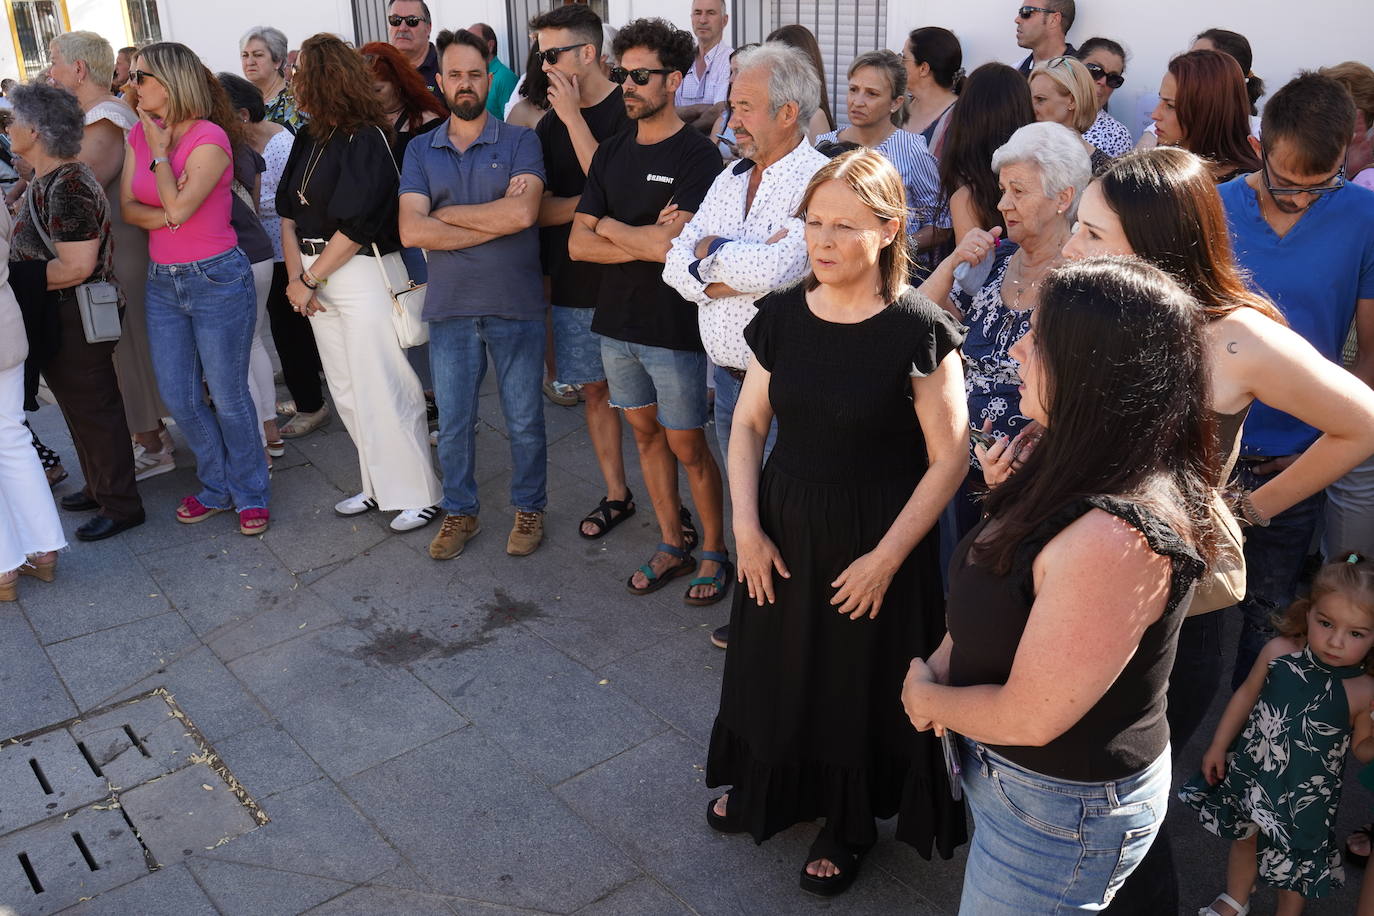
(602, 518)
(721, 580)
(684, 565)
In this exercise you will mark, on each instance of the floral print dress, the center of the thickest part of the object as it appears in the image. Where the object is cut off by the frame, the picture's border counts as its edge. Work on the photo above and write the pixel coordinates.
(1283, 776)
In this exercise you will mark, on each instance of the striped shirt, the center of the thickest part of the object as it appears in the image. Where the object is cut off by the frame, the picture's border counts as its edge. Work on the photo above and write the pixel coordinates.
(920, 176)
(712, 86)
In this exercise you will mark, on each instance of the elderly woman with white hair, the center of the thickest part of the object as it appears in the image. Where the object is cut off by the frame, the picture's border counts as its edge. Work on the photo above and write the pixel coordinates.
(83, 64)
(1042, 170)
(262, 55)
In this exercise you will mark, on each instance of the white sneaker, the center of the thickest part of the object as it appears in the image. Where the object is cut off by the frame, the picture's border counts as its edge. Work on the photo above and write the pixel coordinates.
(355, 505)
(411, 519)
(434, 438)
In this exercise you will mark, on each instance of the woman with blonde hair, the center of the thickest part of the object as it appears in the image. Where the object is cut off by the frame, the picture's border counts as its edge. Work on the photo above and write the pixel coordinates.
(82, 63)
(1063, 92)
(836, 539)
(201, 303)
(338, 206)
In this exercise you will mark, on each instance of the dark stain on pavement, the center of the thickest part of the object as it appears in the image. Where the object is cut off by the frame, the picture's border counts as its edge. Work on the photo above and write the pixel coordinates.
(401, 646)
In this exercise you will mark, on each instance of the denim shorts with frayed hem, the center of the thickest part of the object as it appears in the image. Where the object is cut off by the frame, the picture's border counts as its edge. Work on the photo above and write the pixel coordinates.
(675, 380)
(576, 348)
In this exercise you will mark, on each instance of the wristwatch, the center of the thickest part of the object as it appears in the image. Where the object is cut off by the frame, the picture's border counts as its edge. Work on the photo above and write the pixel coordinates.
(152, 166)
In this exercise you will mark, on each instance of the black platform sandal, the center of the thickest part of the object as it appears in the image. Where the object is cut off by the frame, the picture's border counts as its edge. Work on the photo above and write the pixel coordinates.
(845, 858)
(726, 823)
(602, 518)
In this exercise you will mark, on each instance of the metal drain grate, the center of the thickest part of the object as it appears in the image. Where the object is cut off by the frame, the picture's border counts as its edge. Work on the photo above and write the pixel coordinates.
(92, 803)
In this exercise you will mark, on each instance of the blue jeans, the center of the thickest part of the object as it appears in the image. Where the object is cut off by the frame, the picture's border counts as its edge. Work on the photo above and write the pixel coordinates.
(458, 350)
(1274, 556)
(200, 326)
(1044, 846)
(727, 396)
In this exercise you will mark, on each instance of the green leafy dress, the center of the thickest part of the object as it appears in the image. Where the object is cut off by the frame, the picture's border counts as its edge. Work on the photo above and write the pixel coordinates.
(1283, 775)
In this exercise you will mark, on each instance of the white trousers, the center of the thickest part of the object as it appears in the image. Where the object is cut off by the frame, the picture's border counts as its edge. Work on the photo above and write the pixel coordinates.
(28, 516)
(260, 387)
(1350, 513)
(374, 390)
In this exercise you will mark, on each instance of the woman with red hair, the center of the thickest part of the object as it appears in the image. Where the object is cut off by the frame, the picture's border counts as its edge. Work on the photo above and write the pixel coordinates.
(408, 105)
(1204, 108)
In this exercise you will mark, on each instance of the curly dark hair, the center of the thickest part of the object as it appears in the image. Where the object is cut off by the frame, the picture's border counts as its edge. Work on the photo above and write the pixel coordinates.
(222, 111)
(333, 85)
(676, 49)
(390, 66)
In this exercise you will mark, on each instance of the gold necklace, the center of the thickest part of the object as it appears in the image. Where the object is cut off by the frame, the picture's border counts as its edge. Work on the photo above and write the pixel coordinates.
(1021, 271)
(310, 167)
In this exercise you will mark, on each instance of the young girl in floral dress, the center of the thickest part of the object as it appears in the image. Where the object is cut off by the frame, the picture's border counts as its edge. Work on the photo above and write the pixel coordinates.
(1271, 779)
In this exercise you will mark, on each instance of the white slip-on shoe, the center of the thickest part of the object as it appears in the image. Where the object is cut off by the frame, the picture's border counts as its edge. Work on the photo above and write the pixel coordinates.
(355, 505)
(411, 519)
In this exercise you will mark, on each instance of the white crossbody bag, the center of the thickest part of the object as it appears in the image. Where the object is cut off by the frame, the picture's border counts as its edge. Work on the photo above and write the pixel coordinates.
(407, 296)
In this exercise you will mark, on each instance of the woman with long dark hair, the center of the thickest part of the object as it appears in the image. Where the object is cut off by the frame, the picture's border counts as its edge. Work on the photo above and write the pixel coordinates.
(532, 93)
(1238, 46)
(994, 104)
(801, 38)
(1161, 206)
(1065, 601)
(935, 76)
(1204, 109)
(338, 207)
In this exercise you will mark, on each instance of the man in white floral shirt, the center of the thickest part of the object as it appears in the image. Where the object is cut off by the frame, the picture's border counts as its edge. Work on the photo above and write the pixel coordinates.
(745, 240)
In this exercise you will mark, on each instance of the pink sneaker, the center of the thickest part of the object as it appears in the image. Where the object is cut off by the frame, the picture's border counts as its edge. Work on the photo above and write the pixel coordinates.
(193, 510)
(253, 521)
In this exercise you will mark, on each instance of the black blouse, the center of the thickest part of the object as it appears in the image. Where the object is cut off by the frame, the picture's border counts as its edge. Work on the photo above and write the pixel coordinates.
(352, 188)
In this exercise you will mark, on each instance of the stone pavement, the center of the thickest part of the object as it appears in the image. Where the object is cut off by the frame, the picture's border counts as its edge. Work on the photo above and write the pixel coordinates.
(487, 735)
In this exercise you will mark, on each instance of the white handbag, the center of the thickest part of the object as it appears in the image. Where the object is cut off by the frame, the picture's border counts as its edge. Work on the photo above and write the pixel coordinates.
(407, 299)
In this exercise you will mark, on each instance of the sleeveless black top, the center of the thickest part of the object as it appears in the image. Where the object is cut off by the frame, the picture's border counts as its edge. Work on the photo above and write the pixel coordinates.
(1125, 730)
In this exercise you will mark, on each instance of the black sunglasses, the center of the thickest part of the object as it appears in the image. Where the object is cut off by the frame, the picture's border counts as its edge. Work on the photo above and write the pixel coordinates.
(138, 76)
(1097, 72)
(550, 56)
(1337, 181)
(639, 74)
(411, 21)
(1026, 12)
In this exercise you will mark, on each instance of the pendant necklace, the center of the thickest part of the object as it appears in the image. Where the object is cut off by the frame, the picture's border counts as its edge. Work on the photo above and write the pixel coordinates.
(310, 169)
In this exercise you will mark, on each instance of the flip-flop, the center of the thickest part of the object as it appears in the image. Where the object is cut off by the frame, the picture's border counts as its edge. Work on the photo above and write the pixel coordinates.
(603, 520)
(721, 580)
(684, 565)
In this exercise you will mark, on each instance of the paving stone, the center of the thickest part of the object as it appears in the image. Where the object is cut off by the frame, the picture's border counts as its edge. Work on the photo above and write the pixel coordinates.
(265, 760)
(99, 585)
(291, 615)
(344, 700)
(34, 694)
(161, 495)
(63, 872)
(251, 891)
(461, 811)
(177, 816)
(640, 896)
(220, 582)
(166, 892)
(678, 679)
(163, 744)
(205, 690)
(96, 667)
(314, 830)
(44, 777)
(391, 584)
(332, 457)
(305, 532)
(547, 711)
(369, 901)
(652, 800)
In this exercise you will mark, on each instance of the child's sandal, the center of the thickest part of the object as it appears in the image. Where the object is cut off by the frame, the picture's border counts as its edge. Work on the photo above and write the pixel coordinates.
(1211, 910)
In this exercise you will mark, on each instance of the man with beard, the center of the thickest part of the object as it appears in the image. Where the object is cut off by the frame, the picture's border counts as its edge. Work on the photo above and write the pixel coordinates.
(650, 346)
(1305, 237)
(745, 239)
(470, 196)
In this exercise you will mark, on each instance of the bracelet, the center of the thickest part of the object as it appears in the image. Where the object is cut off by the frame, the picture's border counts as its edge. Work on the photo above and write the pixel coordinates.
(1248, 510)
(171, 226)
(319, 281)
(307, 283)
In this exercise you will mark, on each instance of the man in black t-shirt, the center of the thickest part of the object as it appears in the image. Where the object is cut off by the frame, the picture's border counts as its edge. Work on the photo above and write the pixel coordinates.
(586, 108)
(650, 344)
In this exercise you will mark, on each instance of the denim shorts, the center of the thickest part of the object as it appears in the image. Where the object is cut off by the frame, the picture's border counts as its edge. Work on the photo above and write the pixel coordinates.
(641, 375)
(576, 349)
(1045, 846)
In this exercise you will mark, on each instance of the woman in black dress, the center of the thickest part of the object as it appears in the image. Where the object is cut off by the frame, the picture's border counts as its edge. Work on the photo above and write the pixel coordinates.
(864, 378)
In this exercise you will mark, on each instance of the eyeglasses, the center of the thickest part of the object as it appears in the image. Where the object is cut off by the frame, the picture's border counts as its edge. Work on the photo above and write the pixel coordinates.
(411, 21)
(550, 56)
(1026, 12)
(1097, 72)
(138, 76)
(639, 74)
(1337, 181)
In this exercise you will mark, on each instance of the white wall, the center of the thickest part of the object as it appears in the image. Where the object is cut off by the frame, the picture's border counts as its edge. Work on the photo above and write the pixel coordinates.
(104, 17)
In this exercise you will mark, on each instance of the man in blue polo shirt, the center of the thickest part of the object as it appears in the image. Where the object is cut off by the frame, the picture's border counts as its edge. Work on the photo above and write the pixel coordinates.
(470, 195)
(1306, 237)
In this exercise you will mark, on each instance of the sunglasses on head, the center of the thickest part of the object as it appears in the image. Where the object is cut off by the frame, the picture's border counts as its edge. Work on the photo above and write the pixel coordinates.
(1026, 12)
(138, 76)
(550, 56)
(1097, 72)
(640, 74)
(411, 21)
